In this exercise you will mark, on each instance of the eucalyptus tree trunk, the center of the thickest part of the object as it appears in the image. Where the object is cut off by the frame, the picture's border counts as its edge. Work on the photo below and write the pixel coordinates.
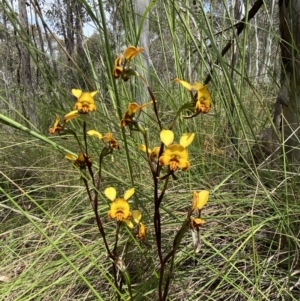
(256, 69)
(69, 29)
(237, 12)
(25, 72)
(140, 7)
(79, 29)
(268, 42)
(48, 38)
(289, 95)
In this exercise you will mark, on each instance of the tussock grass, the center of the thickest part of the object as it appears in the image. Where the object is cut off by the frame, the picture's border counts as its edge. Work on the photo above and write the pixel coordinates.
(50, 248)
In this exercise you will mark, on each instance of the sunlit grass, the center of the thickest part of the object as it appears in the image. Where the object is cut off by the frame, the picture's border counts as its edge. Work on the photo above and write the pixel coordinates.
(50, 246)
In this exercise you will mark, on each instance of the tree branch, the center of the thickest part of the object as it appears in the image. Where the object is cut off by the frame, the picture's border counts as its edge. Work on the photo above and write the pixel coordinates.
(239, 28)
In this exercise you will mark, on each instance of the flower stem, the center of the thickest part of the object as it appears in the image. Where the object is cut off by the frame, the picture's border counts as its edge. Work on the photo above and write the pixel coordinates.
(157, 226)
(154, 106)
(85, 154)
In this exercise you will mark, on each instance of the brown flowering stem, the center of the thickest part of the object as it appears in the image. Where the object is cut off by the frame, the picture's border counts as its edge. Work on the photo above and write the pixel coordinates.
(98, 220)
(101, 229)
(170, 173)
(152, 97)
(88, 190)
(116, 258)
(111, 255)
(94, 201)
(117, 238)
(157, 226)
(85, 154)
(105, 152)
(154, 106)
(158, 167)
(157, 219)
(148, 154)
(163, 190)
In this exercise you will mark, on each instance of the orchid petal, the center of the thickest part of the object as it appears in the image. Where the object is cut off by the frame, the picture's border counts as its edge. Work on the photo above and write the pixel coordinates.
(128, 194)
(187, 139)
(94, 134)
(167, 137)
(76, 92)
(136, 215)
(110, 193)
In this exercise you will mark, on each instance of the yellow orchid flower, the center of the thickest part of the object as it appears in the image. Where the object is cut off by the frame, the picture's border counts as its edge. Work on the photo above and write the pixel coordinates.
(141, 229)
(132, 108)
(128, 223)
(110, 193)
(137, 216)
(153, 153)
(141, 232)
(112, 142)
(200, 199)
(131, 52)
(175, 155)
(186, 139)
(118, 69)
(95, 134)
(79, 161)
(56, 127)
(119, 208)
(167, 137)
(85, 101)
(202, 102)
(143, 148)
(196, 223)
(71, 115)
(71, 157)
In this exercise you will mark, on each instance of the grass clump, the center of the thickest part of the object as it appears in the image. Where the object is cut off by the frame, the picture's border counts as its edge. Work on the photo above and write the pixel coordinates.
(64, 236)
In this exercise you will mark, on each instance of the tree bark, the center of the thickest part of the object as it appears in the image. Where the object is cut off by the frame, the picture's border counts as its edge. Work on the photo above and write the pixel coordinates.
(48, 38)
(237, 12)
(69, 25)
(289, 95)
(267, 43)
(26, 79)
(140, 7)
(256, 74)
(79, 29)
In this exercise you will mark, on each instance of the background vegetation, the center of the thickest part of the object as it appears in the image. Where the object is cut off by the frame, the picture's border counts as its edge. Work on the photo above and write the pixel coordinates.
(50, 246)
